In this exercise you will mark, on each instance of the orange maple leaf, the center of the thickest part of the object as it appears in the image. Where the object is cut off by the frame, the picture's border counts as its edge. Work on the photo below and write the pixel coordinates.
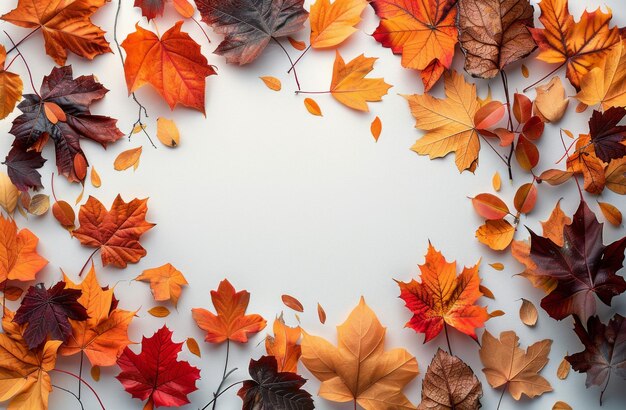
(231, 321)
(19, 259)
(165, 282)
(104, 335)
(284, 346)
(116, 232)
(443, 298)
(580, 46)
(424, 32)
(173, 65)
(66, 26)
(10, 87)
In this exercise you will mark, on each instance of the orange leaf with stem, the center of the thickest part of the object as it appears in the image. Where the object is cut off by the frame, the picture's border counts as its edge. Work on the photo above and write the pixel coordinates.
(490, 206)
(331, 24)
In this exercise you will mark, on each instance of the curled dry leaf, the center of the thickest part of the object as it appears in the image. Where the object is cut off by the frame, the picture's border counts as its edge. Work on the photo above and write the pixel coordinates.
(612, 214)
(192, 346)
(563, 370)
(95, 178)
(510, 367)
(292, 303)
(331, 24)
(272, 83)
(528, 313)
(490, 206)
(376, 127)
(450, 384)
(551, 101)
(127, 159)
(159, 311)
(321, 314)
(312, 107)
(496, 234)
(167, 132)
(492, 43)
(486, 292)
(359, 369)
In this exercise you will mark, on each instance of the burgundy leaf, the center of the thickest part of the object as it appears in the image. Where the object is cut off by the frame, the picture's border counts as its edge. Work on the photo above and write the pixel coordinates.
(46, 311)
(606, 135)
(150, 8)
(22, 167)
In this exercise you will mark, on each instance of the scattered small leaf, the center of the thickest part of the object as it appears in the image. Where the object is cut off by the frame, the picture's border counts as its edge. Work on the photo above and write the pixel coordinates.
(297, 44)
(611, 213)
(167, 133)
(272, 83)
(496, 181)
(376, 127)
(64, 213)
(525, 198)
(312, 107)
(497, 266)
(95, 373)
(193, 347)
(561, 405)
(525, 72)
(563, 371)
(159, 311)
(486, 292)
(497, 313)
(496, 234)
(95, 178)
(127, 159)
(528, 313)
(490, 206)
(321, 313)
(39, 204)
(13, 293)
(551, 101)
(292, 303)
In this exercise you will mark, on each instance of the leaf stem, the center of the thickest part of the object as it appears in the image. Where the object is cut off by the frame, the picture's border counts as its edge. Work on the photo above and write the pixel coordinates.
(544, 77)
(298, 59)
(23, 39)
(222, 392)
(312, 92)
(80, 273)
(505, 85)
(493, 148)
(72, 393)
(605, 386)
(86, 384)
(80, 372)
(201, 28)
(445, 328)
(502, 395)
(295, 74)
(225, 375)
(30, 75)
(580, 191)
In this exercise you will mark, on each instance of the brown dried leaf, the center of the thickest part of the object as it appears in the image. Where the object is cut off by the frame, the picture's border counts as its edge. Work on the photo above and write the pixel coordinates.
(497, 266)
(486, 292)
(528, 313)
(563, 371)
(561, 405)
(39, 205)
(64, 213)
(321, 313)
(611, 213)
(95, 373)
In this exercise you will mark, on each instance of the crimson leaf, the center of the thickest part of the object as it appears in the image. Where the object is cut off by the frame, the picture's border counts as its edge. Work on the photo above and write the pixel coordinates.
(608, 137)
(46, 311)
(22, 167)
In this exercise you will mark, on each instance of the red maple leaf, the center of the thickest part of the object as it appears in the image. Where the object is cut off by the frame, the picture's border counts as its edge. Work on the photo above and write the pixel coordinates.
(156, 374)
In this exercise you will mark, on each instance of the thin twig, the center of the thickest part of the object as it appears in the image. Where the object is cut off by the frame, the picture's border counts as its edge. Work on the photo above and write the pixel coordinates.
(544, 77)
(86, 384)
(70, 392)
(295, 74)
(80, 273)
(23, 39)
(80, 371)
(222, 392)
(445, 328)
(201, 28)
(225, 374)
(30, 75)
(505, 85)
(298, 59)
(502, 395)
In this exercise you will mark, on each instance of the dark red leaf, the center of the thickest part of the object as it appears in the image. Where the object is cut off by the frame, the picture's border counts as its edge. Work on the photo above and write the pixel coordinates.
(150, 8)
(270, 389)
(22, 167)
(156, 374)
(46, 311)
(606, 135)
(582, 267)
(249, 25)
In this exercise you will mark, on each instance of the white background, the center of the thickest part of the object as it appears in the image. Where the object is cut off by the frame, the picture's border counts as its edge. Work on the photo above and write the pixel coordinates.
(279, 201)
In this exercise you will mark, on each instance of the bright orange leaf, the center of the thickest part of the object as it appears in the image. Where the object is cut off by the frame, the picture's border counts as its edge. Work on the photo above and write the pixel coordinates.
(165, 282)
(10, 87)
(231, 321)
(332, 23)
(115, 232)
(19, 259)
(173, 65)
(284, 346)
(442, 297)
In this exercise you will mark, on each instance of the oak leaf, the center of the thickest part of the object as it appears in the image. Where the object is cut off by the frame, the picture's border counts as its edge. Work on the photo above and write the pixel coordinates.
(494, 34)
(442, 298)
(19, 259)
(448, 122)
(349, 85)
(172, 64)
(605, 350)
(271, 388)
(166, 282)
(72, 97)
(66, 26)
(331, 24)
(424, 32)
(579, 46)
(47, 312)
(116, 232)
(10, 87)
(451, 384)
(510, 367)
(359, 369)
(284, 346)
(104, 335)
(582, 266)
(605, 83)
(231, 321)
(249, 25)
(156, 374)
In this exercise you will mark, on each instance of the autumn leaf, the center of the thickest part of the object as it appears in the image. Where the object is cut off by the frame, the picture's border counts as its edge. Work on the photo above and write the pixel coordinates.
(25, 373)
(606, 135)
(249, 25)
(451, 384)
(116, 232)
(375, 128)
(582, 267)
(442, 298)
(510, 367)
(448, 122)
(19, 259)
(166, 282)
(496, 234)
(272, 83)
(65, 25)
(585, 161)
(494, 34)
(528, 313)
(605, 83)
(271, 388)
(104, 335)
(172, 64)
(284, 346)
(231, 321)
(10, 87)
(611, 213)
(579, 46)
(605, 350)
(47, 312)
(156, 374)
(423, 32)
(349, 85)
(332, 24)
(359, 369)
(551, 101)
(72, 96)
(167, 132)
(312, 107)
